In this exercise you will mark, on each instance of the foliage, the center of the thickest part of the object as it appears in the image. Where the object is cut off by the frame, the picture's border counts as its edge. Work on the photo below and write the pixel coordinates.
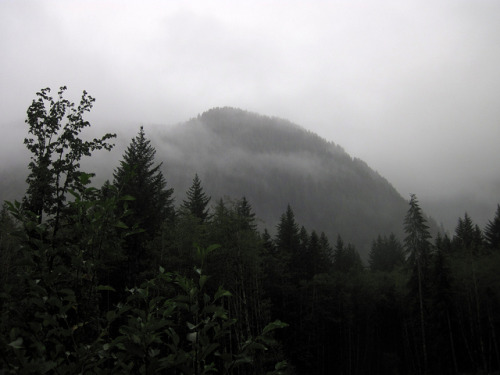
(169, 322)
(55, 126)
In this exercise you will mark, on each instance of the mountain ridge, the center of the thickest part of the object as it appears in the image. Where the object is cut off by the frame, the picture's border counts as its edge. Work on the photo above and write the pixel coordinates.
(273, 163)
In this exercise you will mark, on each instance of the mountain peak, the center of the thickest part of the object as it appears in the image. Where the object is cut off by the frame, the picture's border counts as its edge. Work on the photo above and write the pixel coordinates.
(273, 163)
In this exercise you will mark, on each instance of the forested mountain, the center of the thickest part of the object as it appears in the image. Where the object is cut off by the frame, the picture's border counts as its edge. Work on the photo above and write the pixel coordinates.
(120, 278)
(273, 163)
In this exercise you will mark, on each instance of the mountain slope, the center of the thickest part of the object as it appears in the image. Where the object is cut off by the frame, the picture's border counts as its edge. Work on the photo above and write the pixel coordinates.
(273, 162)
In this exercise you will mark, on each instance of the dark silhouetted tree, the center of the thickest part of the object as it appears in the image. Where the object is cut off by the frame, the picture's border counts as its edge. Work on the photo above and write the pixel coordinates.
(492, 231)
(418, 248)
(56, 148)
(346, 258)
(386, 253)
(196, 201)
(139, 177)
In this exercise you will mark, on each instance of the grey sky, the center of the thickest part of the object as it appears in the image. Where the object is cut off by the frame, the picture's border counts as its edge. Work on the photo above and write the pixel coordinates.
(411, 87)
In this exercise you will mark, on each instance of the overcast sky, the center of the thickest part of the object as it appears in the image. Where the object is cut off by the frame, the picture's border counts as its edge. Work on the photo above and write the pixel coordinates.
(412, 87)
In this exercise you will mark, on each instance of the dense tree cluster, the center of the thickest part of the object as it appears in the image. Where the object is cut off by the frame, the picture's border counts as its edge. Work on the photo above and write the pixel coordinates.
(116, 280)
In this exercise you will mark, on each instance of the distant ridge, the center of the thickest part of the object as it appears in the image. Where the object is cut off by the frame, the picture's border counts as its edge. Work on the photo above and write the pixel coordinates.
(273, 162)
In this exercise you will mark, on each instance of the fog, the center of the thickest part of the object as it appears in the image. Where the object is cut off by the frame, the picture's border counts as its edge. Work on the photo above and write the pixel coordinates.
(410, 87)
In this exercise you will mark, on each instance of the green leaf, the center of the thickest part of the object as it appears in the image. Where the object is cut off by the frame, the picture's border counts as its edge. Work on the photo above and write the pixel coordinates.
(121, 224)
(277, 324)
(281, 365)
(222, 293)
(127, 198)
(17, 343)
(203, 280)
(208, 350)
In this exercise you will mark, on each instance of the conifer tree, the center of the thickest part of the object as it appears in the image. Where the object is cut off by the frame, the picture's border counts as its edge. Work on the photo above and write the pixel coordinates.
(196, 201)
(386, 253)
(492, 231)
(139, 177)
(468, 236)
(326, 248)
(339, 254)
(318, 254)
(442, 346)
(418, 247)
(245, 215)
(287, 238)
(288, 243)
(346, 258)
(468, 240)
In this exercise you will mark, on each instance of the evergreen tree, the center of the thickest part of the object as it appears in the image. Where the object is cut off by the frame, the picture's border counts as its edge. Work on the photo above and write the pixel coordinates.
(468, 242)
(386, 253)
(468, 236)
(326, 247)
(288, 244)
(196, 201)
(418, 247)
(138, 176)
(245, 215)
(443, 345)
(346, 258)
(339, 254)
(288, 236)
(268, 243)
(492, 231)
(318, 254)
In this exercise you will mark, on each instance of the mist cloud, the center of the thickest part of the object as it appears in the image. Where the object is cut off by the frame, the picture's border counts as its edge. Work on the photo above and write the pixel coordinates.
(410, 87)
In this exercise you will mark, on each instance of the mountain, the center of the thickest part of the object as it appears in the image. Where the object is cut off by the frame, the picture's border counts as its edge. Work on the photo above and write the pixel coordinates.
(273, 163)
(270, 161)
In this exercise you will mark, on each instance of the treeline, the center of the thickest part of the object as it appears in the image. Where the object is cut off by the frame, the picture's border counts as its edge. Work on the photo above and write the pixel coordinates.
(118, 279)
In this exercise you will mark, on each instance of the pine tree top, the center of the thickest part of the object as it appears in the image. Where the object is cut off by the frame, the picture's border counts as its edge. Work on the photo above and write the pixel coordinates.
(196, 201)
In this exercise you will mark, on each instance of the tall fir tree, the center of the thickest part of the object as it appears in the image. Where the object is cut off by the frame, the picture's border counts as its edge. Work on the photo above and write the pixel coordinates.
(418, 247)
(468, 240)
(318, 255)
(139, 177)
(288, 244)
(492, 231)
(468, 236)
(245, 214)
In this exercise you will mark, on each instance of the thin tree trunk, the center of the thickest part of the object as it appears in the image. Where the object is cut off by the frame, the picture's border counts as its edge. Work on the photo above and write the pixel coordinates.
(422, 321)
(452, 343)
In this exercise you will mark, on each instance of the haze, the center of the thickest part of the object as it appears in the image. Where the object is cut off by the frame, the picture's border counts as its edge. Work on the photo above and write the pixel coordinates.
(411, 87)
